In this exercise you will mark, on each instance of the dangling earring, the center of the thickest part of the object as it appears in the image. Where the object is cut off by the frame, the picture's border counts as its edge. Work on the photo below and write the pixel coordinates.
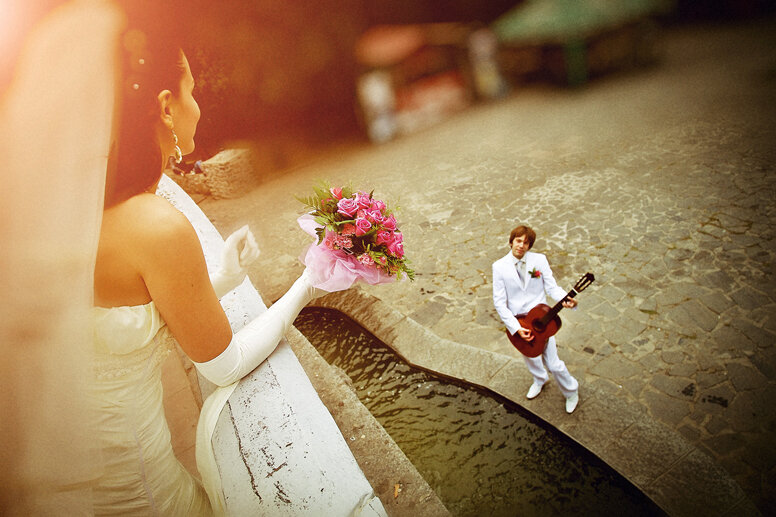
(178, 155)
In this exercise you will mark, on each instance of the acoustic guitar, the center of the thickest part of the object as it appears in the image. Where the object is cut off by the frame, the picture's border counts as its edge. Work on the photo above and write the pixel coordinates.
(543, 321)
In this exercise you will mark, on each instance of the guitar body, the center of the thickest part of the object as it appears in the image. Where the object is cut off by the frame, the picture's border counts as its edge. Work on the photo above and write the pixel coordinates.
(541, 332)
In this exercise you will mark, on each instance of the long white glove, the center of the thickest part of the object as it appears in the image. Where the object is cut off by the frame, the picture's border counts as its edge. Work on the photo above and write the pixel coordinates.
(240, 251)
(258, 339)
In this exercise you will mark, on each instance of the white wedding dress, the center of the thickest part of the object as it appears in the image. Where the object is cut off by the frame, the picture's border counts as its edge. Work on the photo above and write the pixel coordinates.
(142, 475)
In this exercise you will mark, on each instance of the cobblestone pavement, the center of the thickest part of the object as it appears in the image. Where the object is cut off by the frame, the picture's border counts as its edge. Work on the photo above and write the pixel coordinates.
(661, 182)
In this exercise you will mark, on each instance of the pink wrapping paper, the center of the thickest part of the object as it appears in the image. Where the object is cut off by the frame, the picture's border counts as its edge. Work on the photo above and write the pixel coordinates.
(335, 270)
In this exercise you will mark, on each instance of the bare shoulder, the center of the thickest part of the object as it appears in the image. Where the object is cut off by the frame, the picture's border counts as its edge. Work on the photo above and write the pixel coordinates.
(156, 229)
(152, 219)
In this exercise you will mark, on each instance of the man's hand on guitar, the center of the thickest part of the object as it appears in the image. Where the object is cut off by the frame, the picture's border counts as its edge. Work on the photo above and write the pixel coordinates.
(525, 334)
(570, 303)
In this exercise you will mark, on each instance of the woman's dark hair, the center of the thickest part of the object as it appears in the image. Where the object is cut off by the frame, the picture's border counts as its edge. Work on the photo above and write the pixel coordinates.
(530, 235)
(150, 56)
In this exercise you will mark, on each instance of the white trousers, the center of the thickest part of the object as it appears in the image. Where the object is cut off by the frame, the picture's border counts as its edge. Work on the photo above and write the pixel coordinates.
(568, 385)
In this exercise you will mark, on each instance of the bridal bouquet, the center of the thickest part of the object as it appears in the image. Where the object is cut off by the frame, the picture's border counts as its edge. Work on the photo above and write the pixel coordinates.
(357, 239)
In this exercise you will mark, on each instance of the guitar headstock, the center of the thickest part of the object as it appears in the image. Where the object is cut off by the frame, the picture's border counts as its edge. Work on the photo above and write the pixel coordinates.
(583, 282)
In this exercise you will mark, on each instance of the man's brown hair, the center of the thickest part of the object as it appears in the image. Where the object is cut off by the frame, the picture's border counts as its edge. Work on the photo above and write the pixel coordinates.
(521, 230)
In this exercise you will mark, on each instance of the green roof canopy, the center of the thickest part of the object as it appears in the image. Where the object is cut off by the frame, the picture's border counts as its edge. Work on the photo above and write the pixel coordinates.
(551, 20)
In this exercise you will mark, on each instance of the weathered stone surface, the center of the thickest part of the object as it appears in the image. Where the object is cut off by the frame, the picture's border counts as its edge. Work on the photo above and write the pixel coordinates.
(728, 338)
(724, 443)
(430, 312)
(660, 446)
(673, 386)
(692, 315)
(757, 335)
(648, 306)
(615, 367)
(718, 497)
(716, 302)
(625, 330)
(745, 413)
(715, 425)
(748, 299)
(717, 399)
(610, 293)
(668, 410)
(682, 370)
(673, 356)
(764, 364)
(707, 380)
(745, 377)
(652, 363)
(607, 311)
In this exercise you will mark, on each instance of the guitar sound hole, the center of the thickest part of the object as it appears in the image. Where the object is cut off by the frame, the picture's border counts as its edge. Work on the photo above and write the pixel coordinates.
(538, 327)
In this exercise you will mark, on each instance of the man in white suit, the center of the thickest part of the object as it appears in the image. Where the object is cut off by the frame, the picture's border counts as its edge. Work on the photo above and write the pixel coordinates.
(521, 280)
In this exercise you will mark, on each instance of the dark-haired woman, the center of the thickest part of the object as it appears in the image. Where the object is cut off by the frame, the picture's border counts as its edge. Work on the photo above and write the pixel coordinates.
(151, 285)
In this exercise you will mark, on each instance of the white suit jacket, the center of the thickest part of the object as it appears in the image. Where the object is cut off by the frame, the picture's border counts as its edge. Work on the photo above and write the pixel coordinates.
(511, 297)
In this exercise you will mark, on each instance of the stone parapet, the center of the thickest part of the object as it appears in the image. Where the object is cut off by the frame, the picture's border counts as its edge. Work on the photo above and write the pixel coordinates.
(227, 175)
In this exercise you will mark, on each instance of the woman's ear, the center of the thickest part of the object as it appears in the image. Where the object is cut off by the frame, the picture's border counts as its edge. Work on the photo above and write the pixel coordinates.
(165, 108)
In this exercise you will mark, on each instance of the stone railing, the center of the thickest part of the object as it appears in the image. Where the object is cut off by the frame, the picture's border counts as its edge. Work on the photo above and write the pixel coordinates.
(280, 451)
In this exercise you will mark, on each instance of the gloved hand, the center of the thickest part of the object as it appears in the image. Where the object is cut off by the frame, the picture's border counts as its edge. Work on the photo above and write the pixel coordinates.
(240, 251)
(312, 292)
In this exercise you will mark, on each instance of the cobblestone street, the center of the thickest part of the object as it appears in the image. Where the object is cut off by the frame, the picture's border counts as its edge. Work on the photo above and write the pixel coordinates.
(659, 181)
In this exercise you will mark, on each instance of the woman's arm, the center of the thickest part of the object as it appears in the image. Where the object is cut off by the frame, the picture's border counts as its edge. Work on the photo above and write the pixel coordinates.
(173, 268)
(258, 339)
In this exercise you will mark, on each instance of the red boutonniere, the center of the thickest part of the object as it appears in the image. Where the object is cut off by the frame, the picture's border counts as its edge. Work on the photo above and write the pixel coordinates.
(535, 273)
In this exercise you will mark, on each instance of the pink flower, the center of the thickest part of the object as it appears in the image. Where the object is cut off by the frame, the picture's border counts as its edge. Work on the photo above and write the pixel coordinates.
(396, 249)
(349, 229)
(363, 200)
(384, 237)
(347, 207)
(378, 205)
(330, 241)
(336, 192)
(375, 216)
(361, 213)
(390, 223)
(365, 259)
(362, 226)
(343, 242)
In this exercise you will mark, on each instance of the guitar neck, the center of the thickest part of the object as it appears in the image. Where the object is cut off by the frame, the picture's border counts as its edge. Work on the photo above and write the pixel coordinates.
(557, 307)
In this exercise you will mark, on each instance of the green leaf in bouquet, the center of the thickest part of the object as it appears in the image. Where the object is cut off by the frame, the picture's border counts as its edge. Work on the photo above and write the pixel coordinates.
(305, 201)
(370, 235)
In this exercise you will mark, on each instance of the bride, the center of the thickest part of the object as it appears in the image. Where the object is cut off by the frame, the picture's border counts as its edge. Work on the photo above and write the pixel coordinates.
(151, 285)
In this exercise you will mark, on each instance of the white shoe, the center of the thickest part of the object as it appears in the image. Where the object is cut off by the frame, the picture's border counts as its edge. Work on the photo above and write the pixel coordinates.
(534, 391)
(571, 403)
